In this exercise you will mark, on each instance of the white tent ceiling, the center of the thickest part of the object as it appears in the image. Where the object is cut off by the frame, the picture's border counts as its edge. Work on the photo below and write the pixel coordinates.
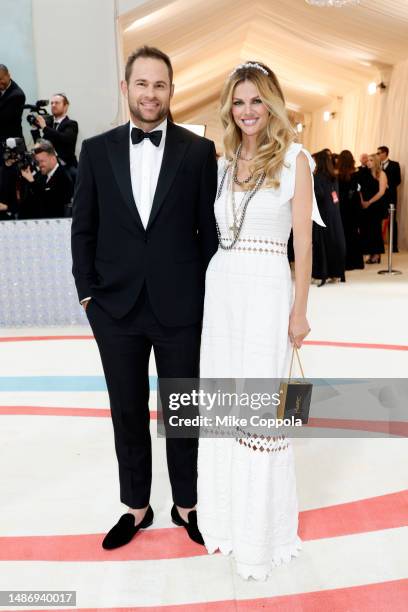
(318, 53)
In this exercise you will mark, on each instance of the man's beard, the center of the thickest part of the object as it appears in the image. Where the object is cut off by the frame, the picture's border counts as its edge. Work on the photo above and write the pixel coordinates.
(162, 113)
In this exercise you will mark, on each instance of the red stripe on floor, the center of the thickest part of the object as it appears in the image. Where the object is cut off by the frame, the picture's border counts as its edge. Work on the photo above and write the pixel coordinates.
(59, 411)
(371, 514)
(391, 596)
(54, 411)
(42, 338)
(395, 428)
(363, 345)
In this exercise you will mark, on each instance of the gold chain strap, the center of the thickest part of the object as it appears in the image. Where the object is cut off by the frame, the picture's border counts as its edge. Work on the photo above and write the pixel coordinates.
(295, 350)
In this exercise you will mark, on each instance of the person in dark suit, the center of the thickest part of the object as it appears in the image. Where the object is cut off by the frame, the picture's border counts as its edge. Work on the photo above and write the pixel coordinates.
(61, 131)
(393, 171)
(9, 178)
(350, 207)
(12, 100)
(143, 233)
(49, 191)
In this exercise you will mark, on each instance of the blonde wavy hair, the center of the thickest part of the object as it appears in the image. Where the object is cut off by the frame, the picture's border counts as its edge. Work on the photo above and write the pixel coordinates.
(278, 134)
(377, 164)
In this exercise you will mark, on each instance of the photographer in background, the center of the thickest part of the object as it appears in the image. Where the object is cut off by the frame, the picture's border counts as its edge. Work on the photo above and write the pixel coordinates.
(62, 132)
(14, 156)
(12, 100)
(49, 190)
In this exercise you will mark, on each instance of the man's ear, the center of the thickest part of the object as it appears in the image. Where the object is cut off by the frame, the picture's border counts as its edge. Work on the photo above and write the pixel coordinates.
(124, 88)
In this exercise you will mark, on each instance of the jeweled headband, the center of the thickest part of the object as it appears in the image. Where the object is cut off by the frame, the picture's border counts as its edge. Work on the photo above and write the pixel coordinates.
(249, 65)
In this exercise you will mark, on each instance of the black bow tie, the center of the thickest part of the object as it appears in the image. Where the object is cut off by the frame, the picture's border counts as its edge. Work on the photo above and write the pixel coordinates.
(138, 135)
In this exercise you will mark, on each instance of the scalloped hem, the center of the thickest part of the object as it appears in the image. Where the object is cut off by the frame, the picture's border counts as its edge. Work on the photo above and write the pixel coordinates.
(213, 545)
(281, 556)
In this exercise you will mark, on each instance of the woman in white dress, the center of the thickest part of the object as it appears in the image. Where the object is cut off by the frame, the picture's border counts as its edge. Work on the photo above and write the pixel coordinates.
(247, 500)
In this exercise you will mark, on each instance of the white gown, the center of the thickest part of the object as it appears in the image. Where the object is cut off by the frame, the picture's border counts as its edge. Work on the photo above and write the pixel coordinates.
(247, 500)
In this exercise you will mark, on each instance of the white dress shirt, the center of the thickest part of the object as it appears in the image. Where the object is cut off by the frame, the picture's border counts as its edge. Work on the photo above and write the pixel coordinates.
(384, 164)
(145, 164)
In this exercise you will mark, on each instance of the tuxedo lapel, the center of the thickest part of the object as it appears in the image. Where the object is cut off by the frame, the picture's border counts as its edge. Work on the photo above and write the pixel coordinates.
(174, 150)
(118, 152)
(53, 180)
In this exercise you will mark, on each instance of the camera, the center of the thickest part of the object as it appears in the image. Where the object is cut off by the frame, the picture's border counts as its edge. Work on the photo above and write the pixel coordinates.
(39, 108)
(14, 150)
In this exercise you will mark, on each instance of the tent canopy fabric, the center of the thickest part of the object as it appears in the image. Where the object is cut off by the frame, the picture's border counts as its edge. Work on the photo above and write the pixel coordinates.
(324, 59)
(317, 53)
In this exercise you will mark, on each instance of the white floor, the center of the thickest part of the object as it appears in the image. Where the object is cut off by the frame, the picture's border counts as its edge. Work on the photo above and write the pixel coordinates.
(59, 478)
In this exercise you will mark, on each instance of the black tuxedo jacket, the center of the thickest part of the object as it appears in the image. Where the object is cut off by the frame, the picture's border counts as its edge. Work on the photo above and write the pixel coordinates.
(393, 172)
(113, 255)
(11, 110)
(64, 139)
(47, 200)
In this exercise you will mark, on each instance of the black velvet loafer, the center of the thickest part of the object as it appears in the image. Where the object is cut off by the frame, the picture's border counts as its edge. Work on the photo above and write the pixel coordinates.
(191, 527)
(125, 529)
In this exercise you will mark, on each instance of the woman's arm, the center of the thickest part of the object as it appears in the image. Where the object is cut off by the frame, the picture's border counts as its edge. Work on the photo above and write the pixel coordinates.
(302, 203)
(383, 184)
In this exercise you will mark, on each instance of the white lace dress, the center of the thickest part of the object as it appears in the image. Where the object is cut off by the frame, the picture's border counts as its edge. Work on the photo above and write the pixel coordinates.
(247, 500)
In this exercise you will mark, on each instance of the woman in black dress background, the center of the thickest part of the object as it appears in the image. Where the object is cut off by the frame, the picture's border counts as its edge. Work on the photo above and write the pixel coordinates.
(374, 202)
(350, 207)
(329, 246)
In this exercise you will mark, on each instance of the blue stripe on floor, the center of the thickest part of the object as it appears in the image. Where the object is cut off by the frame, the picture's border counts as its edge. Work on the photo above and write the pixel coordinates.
(97, 383)
(58, 383)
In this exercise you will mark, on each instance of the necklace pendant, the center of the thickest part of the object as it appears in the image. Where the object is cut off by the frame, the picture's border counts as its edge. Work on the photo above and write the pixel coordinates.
(234, 229)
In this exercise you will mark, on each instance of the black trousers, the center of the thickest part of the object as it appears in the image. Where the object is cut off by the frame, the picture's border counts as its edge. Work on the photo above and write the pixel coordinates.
(125, 346)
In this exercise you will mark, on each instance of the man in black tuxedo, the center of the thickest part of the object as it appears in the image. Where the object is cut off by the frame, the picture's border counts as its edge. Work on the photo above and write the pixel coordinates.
(393, 171)
(49, 191)
(61, 131)
(12, 100)
(143, 232)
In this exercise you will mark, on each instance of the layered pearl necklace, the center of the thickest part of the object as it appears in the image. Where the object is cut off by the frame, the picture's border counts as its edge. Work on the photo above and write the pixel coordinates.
(238, 213)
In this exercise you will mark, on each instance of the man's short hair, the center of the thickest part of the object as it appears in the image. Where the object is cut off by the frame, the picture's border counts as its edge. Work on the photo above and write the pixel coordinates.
(383, 149)
(63, 96)
(4, 68)
(44, 146)
(151, 52)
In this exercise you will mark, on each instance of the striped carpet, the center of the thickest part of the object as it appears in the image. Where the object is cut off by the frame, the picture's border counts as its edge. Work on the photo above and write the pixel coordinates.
(59, 489)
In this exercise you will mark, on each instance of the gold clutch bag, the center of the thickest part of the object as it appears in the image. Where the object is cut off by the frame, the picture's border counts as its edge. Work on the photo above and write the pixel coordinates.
(295, 395)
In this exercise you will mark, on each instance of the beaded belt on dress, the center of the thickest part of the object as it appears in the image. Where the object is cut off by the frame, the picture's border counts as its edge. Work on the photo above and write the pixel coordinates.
(258, 245)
